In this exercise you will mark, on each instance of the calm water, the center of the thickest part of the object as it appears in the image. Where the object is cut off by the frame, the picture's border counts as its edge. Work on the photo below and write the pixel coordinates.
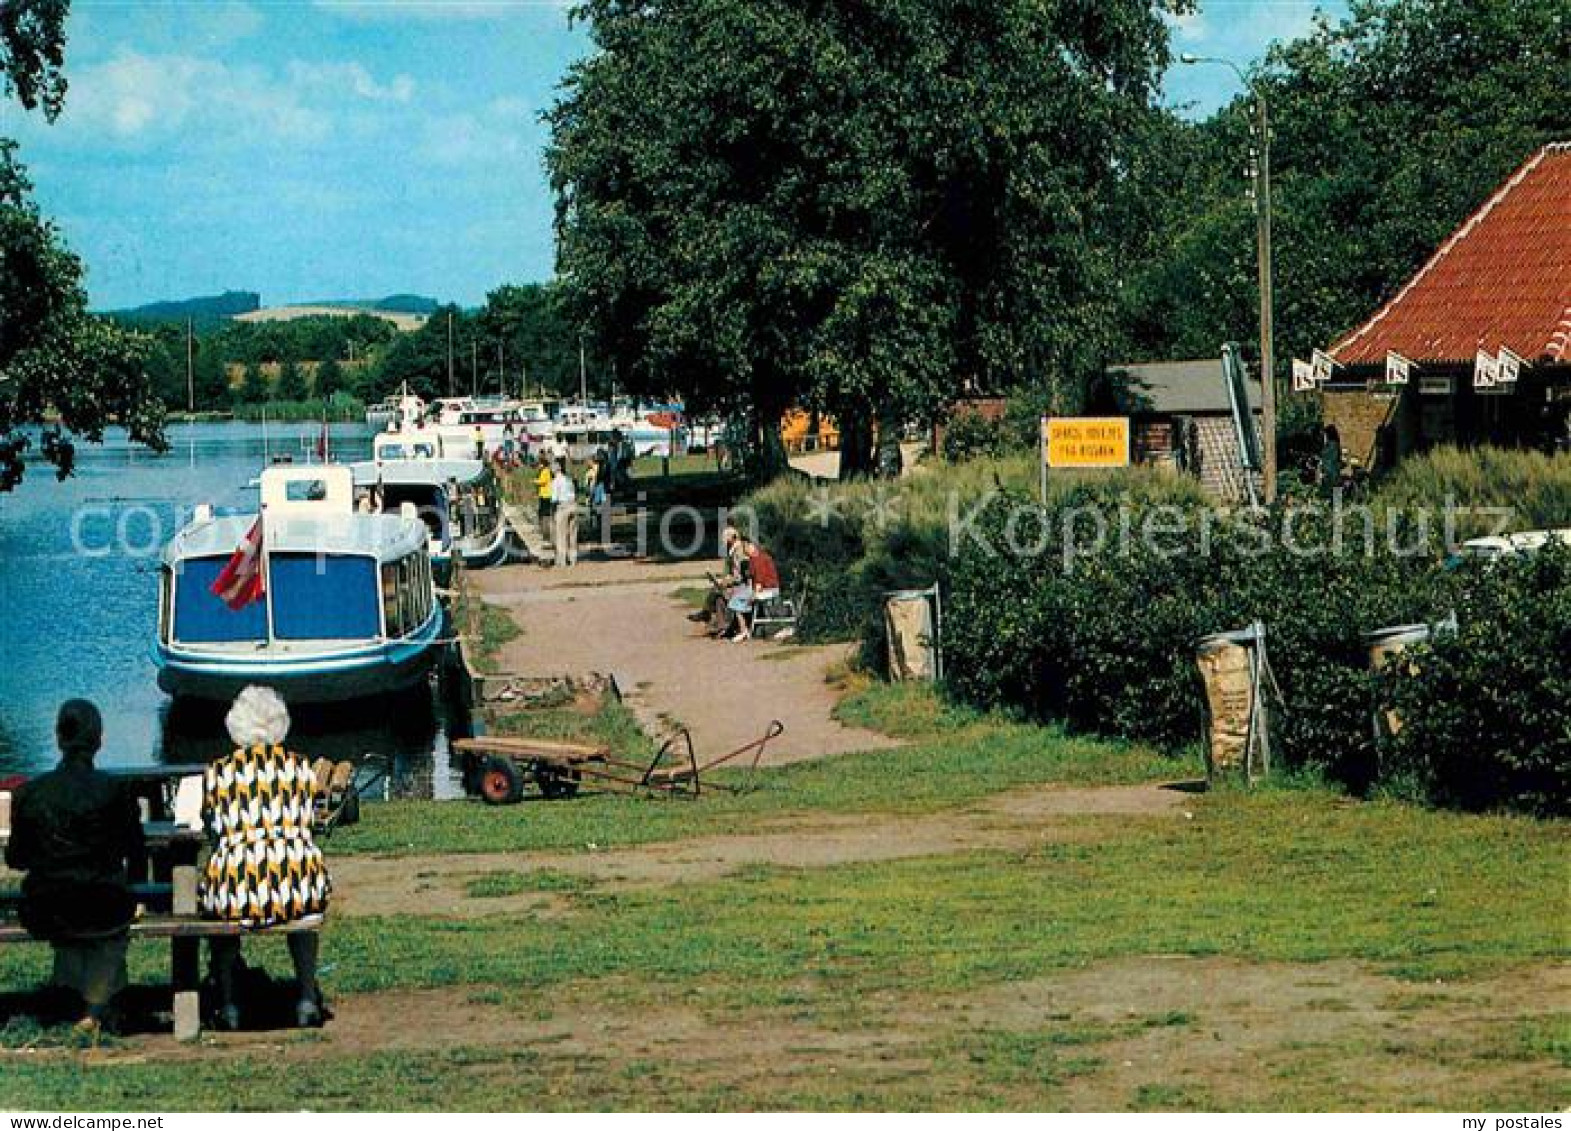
(79, 606)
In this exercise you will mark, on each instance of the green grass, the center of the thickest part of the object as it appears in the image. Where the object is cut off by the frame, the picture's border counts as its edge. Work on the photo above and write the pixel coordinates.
(1298, 875)
(963, 756)
(500, 885)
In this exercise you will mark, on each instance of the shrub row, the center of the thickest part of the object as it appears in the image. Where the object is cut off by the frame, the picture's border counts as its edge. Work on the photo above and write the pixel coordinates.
(1105, 641)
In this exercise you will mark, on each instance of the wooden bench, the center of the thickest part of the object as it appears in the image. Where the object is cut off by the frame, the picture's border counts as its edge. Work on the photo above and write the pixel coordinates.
(181, 925)
(184, 934)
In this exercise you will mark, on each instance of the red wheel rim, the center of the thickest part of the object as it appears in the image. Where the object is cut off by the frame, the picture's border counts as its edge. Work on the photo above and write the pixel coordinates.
(495, 785)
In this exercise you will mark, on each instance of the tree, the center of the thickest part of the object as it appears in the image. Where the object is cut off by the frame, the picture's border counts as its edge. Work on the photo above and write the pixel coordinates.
(211, 377)
(420, 357)
(54, 356)
(1389, 129)
(253, 384)
(329, 379)
(537, 342)
(859, 207)
(291, 384)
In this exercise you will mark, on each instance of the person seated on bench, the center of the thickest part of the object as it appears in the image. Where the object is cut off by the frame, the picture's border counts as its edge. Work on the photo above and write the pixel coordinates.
(763, 584)
(716, 614)
(73, 831)
(265, 870)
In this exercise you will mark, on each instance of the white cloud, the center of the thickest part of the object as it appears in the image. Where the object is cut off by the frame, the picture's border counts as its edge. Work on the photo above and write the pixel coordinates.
(136, 96)
(143, 98)
(352, 78)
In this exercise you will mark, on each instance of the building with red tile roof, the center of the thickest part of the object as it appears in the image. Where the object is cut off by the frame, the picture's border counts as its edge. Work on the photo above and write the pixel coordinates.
(1500, 286)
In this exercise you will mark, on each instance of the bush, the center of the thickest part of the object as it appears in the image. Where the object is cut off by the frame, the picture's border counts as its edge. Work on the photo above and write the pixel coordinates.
(1105, 641)
(1486, 711)
(970, 435)
(1533, 487)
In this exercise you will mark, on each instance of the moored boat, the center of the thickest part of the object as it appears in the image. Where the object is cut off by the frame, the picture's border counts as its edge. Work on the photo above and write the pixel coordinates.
(345, 607)
(459, 500)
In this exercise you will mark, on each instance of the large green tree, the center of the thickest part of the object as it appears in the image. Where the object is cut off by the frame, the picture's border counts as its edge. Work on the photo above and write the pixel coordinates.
(56, 360)
(861, 206)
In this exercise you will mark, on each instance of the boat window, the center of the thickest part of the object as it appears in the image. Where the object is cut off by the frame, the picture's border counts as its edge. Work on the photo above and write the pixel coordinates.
(305, 490)
(165, 592)
(392, 612)
(323, 596)
(201, 618)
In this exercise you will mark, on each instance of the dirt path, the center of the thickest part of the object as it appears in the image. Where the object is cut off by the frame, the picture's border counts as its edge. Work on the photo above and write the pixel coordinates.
(620, 617)
(1014, 821)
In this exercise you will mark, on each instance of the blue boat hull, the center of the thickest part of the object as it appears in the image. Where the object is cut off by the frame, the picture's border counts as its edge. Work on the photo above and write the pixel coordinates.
(358, 674)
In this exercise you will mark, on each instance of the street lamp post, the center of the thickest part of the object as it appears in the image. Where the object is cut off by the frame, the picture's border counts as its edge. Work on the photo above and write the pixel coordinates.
(1262, 174)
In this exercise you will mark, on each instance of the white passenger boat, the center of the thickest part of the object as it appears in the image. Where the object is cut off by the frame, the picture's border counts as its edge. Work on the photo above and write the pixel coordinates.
(459, 500)
(347, 608)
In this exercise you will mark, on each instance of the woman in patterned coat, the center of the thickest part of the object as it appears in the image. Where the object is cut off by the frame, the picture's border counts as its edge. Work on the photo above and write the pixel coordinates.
(265, 869)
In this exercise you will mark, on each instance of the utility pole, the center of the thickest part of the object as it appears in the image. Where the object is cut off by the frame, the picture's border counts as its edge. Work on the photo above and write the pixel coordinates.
(1262, 188)
(501, 370)
(583, 374)
(474, 367)
(190, 368)
(1267, 329)
(450, 380)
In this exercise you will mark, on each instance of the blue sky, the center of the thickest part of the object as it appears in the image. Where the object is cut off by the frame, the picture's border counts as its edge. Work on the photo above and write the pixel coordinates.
(346, 149)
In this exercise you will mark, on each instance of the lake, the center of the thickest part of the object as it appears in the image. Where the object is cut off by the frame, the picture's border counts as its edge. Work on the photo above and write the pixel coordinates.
(79, 606)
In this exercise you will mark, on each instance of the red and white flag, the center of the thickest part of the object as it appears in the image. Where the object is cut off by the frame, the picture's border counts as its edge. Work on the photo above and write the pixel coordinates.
(240, 581)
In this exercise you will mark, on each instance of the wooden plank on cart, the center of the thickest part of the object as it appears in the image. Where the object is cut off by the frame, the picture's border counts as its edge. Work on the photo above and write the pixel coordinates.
(544, 749)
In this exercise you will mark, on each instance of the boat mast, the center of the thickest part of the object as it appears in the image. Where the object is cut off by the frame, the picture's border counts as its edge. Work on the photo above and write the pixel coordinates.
(450, 353)
(190, 371)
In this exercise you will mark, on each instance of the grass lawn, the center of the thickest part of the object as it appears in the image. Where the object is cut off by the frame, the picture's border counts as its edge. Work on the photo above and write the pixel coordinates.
(1282, 948)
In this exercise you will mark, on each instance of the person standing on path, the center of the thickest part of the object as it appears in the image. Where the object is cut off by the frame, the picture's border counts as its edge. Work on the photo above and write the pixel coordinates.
(543, 479)
(564, 516)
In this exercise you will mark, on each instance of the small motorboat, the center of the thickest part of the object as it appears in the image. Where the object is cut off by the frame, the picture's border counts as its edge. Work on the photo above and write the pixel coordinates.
(346, 607)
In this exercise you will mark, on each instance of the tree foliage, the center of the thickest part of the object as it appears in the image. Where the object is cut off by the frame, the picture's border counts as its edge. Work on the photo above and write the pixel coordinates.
(1389, 129)
(858, 207)
(32, 53)
(55, 358)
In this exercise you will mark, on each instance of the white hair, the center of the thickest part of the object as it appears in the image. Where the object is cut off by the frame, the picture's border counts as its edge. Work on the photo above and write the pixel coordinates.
(258, 717)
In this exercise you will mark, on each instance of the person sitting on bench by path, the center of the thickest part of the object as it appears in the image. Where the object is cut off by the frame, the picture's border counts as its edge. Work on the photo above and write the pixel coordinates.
(265, 870)
(762, 584)
(716, 615)
(73, 831)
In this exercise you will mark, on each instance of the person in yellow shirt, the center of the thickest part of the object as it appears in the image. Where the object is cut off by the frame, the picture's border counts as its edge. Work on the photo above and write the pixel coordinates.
(543, 490)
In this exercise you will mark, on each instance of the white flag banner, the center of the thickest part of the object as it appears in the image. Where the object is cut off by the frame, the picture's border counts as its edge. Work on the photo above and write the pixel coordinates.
(1323, 363)
(1398, 368)
(1486, 370)
(1508, 367)
(1303, 376)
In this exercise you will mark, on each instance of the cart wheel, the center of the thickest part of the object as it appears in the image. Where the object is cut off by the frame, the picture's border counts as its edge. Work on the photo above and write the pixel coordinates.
(350, 814)
(501, 782)
(558, 783)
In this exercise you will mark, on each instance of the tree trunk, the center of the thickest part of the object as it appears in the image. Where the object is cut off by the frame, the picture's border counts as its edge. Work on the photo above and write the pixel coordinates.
(856, 445)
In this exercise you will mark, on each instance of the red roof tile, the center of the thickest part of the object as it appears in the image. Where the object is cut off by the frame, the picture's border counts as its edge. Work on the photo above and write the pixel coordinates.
(1502, 279)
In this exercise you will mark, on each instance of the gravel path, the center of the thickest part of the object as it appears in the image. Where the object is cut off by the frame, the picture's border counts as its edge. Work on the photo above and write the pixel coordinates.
(621, 617)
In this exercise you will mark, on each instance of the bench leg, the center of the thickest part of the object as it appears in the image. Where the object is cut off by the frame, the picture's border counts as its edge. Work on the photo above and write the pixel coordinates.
(186, 978)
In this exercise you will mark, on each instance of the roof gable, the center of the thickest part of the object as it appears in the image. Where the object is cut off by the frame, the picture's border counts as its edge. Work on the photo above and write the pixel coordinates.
(1502, 279)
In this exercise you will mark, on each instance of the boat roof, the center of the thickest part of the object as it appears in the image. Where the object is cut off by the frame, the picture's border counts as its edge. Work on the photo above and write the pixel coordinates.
(437, 472)
(383, 536)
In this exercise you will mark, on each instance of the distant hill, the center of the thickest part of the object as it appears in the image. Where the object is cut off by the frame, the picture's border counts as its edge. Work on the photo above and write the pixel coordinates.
(204, 310)
(392, 304)
(404, 310)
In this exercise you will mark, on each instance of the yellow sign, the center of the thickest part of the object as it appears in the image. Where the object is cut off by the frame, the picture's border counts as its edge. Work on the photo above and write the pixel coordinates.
(1086, 441)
